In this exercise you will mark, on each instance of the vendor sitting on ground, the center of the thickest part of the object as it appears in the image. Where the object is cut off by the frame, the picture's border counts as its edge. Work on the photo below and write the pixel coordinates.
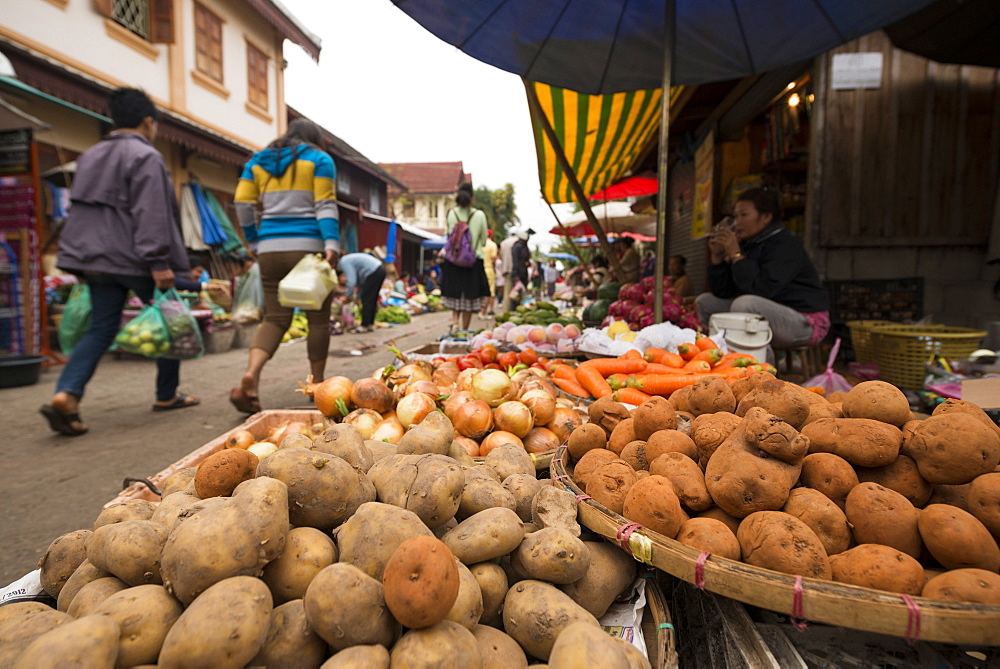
(759, 267)
(361, 276)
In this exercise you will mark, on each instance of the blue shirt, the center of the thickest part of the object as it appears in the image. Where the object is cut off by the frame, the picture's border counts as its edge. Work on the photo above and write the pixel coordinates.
(356, 268)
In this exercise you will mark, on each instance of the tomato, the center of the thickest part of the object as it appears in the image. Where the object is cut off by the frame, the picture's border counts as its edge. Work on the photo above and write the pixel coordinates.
(528, 356)
(541, 366)
(493, 365)
(508, 359)
(468, 362)
(438, 360)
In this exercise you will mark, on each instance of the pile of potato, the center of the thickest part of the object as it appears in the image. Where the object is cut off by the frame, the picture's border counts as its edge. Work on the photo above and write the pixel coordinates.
(333, 551)
(850, 488)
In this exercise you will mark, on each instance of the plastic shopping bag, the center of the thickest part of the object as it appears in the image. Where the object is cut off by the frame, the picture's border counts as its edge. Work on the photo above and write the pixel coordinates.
(830, 380)
(164, 329)
(307, 284)
(248, 298)
(76, 318)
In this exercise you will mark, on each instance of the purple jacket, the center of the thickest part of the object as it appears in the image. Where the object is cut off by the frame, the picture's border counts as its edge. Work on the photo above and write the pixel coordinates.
(124, 218)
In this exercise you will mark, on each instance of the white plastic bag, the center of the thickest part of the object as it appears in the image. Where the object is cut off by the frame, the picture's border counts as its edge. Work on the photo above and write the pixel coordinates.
(830, 380)
(307, 284)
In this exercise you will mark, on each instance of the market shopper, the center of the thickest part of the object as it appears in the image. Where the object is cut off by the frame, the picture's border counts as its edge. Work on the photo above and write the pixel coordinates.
(361, 275)
(490, 252)
(679, 279)
(521, 258)
(123, 233)
(507, 267)
(551, 274)
(463, 289)
(759, 267)
(287, 207)
(628, 260)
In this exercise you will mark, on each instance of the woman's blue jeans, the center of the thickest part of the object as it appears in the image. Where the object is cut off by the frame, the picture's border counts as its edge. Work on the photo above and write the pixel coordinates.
(107, 296)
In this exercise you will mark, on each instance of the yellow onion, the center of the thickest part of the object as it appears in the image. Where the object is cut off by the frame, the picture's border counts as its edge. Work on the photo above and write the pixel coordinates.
(454, 401)
(445, 378)
(522, 376)
(493, 387)
(426, 387)
(240, 439)
(326, 393)
(513, 417)
(470, 445)
(562, 402)
(364, 420)
(464, 380)
(541, 404)
(412, 372)
(390, 430)
(262, 449)
(473, 419)
(541, 439)
(371, 394)
(563, 422)
(498, 438)
(414, 408)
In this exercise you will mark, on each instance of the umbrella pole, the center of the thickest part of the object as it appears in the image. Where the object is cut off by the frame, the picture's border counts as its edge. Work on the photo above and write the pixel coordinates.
(662, 243)
(569, 238)
(536, 111)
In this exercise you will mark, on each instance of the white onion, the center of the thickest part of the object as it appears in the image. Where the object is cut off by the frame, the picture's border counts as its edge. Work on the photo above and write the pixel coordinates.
(513, 417)
(493, 387)
(414, 408)
(364, 420)
(389, 430)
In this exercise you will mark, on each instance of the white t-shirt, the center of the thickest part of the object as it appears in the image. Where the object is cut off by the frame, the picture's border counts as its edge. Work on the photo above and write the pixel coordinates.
(551, 274)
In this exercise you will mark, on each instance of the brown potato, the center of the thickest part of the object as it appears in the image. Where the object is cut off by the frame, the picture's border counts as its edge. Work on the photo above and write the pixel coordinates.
(144, 613)
(483, 490)
(956, 495)
(524, 488)
(779, 399)
(346, 441)
(433, 435)
(830, 474)
(984, 501)
(17, 609)
(757, 465)
(369, 537)
(492, 580)
(824, 517)
(609, 484)
(778, 541)
(902, 476)
(585, 438)
(611, 571)
(446, 644)
(710, 535)
(359, 657)
(711, 395)
(957, 540)
(307, 552)
(744, 386)
(468, 607)
(220, 473)
(61, 559)
(291, 643)
(686, 477)
(22, 624)
(420, 582)
(129, 550)
(715, 512)
(670, 441)
(653, 415)
(879, 567)
(553, 555)
(635, 455)
(820, 407)
(882, 516)
(964, 406)
(860, 441)
(954, 448)
(607, 413)
(181, 480)
(709, 431)
(535, 613)
(877, 400)
(90, 641)
(133, 509)
(346, 607)
(581, 644)
(498, 650)
(83, 575)
(653, 504)
(486, 535)
(589, 463)
(93, 594)
(679, 398)
(509, 459)
(965, 585)
(555, 507)
(622, 435)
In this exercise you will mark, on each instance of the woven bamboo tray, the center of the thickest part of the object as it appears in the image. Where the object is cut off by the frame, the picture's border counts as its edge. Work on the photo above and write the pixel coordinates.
(658, 629)
(811, 599)
(258, 425)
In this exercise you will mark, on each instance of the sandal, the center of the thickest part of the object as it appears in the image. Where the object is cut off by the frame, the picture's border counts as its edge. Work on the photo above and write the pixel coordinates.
(62, 422)
(361, 329)
(182, 401)
(243, 402)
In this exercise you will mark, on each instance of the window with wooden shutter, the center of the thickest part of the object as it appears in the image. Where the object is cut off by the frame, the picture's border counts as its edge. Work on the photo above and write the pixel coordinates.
(133, 14)
(257, 62)
(207, 42)
(161, 21)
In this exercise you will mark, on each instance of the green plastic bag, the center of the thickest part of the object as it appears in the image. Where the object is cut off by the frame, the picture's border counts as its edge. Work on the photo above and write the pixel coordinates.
(76, 318)
(164, 329)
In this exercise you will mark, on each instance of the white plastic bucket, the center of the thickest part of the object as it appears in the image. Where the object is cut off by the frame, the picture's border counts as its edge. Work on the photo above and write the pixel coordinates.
(743, 332)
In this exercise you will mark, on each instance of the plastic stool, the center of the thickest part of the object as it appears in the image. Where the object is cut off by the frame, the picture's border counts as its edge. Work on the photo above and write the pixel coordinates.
(812, 359)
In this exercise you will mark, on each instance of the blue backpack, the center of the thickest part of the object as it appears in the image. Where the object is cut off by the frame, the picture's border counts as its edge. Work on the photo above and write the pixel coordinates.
(458, 249)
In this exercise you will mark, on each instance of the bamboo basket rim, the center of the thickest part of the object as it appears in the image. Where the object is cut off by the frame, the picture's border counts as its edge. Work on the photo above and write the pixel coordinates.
(821, 601)
(664, 641)
(931, 331)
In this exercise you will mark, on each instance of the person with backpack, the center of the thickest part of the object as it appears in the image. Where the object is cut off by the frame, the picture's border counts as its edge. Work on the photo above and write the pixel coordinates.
(463, 280)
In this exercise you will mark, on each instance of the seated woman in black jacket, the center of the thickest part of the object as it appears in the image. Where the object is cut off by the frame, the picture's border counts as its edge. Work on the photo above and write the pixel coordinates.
(759, 267)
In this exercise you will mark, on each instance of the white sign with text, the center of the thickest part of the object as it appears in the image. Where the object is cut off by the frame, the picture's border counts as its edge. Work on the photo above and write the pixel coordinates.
(856, 70)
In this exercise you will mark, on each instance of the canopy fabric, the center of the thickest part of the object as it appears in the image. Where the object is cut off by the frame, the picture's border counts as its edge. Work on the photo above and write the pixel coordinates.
(605, 46)
(390, 243)
(964, 32)
(602, 136)
(639, 185)
(562, 256)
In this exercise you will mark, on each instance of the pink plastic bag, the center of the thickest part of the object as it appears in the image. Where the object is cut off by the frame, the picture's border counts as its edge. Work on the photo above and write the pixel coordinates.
(830, 380)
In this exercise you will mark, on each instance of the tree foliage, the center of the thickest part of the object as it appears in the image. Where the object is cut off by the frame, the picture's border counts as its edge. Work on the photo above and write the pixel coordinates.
(499, 207)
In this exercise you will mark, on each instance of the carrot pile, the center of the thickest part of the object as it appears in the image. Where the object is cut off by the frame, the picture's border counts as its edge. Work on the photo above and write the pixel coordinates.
(634, 377)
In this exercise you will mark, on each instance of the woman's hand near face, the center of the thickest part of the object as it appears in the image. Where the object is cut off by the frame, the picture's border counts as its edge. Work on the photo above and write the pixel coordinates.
(722, 244)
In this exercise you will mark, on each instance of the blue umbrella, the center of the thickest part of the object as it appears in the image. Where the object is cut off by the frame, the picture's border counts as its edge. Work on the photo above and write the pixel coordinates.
(211, 231)
(562, 256)
(390, 243)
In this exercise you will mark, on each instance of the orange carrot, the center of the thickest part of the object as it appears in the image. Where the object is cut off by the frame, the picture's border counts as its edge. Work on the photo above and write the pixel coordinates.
(563, 371)
(819, 390)
(571, 387)
(657, 368)
(662, 384)
(671, 360)
(631, 354)
(608, 366)
(697, 366)
(710, 355)
(735, 355)
(705, 343)
(591, 378)
(630, 396)
(617, 381)
(688, 351)
(654, 354)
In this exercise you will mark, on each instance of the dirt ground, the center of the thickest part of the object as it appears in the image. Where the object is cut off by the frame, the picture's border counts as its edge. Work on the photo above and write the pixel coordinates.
(51, 484)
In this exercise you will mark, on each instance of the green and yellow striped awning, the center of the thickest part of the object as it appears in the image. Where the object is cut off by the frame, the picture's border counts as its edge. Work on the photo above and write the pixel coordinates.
(602, 136)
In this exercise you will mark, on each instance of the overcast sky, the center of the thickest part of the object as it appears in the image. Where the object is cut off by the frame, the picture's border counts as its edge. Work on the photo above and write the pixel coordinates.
(397, 94)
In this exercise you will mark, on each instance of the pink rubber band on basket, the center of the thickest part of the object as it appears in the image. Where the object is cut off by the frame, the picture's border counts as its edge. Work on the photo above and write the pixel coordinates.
(798, 617)
(913, 620)
(580, 498)
(560, 477)
(625, 531)
(699, 569)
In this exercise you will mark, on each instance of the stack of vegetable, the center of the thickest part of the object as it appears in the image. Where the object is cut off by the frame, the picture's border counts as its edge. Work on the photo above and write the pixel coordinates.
(374, 553)
(298, 328)
(636, 300)
(392, 315)
(634, 377)
(849, 488)
(539, 313)
(553, 337)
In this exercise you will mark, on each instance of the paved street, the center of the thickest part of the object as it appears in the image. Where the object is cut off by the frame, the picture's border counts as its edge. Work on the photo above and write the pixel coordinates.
(52, 484)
